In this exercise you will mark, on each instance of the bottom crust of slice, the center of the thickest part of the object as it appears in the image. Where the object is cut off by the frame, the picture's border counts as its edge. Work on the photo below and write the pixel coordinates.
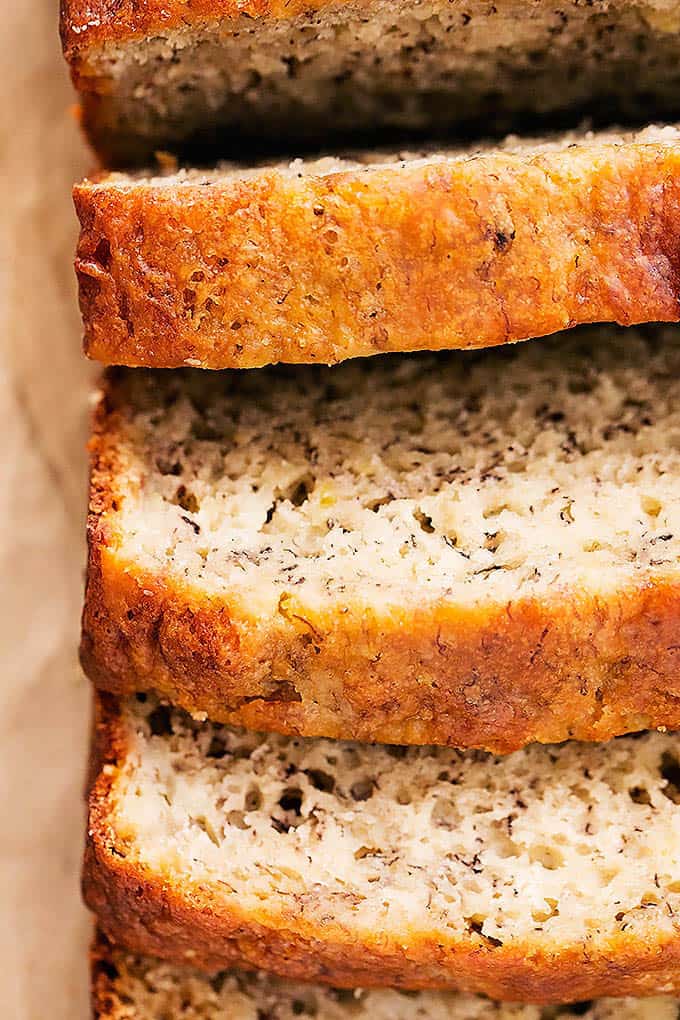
(126, 986)
(494, 678)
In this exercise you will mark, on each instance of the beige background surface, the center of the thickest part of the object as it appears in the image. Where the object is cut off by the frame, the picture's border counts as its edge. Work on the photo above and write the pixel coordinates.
(43, 402)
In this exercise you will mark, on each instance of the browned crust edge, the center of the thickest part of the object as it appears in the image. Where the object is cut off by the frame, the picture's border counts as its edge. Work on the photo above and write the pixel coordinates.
(195, 924)
(569, 666)
(469, 253)
(497, 681)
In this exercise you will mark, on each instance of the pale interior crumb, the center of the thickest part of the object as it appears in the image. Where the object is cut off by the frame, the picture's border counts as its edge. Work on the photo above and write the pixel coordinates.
(559, 845)
(404, 64)
(545, 470)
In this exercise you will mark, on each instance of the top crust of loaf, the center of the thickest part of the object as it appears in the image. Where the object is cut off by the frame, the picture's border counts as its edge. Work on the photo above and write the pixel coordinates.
(323, 261)
(129, 987)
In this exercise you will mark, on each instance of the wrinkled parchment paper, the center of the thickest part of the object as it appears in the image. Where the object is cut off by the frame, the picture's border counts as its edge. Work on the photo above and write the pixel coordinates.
(44, 702)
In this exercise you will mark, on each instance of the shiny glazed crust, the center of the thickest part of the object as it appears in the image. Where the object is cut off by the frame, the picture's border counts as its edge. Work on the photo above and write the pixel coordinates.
(469, 252)
(496, 676)
(151, 913)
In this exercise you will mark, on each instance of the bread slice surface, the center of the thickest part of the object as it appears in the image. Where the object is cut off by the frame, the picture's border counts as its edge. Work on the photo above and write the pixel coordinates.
(126, 986)
(467, 549)
(548, 875)
(227, 74)
(323, 260)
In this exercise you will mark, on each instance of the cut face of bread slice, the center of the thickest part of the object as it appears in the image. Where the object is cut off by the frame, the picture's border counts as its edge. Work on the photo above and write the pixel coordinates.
(478, 550)
(319, 261)
(130, 987)
(166, 74)
(549, 875)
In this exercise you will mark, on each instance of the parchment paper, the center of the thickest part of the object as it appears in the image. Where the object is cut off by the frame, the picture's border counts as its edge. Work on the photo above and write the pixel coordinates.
(44, 702)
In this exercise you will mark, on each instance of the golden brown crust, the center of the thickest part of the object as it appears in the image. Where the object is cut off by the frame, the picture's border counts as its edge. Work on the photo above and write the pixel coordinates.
(151, 913)
(467, 253)
(496, 676)
(589, 669)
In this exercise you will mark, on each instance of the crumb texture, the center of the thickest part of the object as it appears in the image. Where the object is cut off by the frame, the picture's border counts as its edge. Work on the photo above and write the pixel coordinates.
(128, 987)
(528, 473)
(555, 849)
(162, 78)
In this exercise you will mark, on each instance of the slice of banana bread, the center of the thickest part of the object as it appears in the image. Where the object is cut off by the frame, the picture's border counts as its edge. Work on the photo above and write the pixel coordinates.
(549, 875)
(475, 549)
(323, 260)
(130, 987)
(166, 73)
